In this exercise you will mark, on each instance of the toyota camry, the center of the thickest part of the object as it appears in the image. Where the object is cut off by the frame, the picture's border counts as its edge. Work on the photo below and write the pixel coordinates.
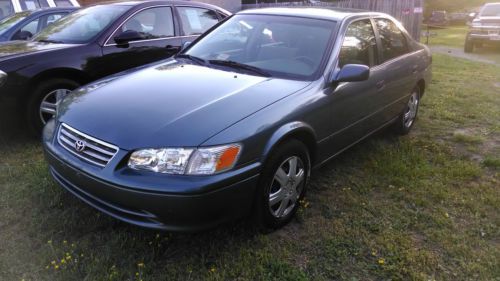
(233, 125)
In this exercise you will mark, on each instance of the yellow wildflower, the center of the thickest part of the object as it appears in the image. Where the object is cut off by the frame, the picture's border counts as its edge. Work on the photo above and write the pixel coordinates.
(381, 261)
(141, 264)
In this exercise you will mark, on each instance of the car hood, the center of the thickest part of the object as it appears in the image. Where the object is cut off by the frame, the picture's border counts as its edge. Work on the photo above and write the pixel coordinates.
(489, 20)
(18, 48)
(170, 105)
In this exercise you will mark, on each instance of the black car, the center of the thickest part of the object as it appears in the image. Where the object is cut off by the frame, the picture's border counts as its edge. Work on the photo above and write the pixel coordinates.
(95, 42)
(23, 25)
(485, 28)
(234, 124)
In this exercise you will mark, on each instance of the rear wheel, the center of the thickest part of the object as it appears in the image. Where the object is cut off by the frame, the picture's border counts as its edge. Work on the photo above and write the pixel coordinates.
(407, 119)
(43, 102)
(282, 185)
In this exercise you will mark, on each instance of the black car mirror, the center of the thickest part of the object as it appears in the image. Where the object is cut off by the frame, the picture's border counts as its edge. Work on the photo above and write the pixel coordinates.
(22, 35)
(128, 36)
(185, 45)
(352, 73)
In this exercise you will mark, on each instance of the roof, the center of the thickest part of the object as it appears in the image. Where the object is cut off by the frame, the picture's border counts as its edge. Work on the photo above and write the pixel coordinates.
(336, 14)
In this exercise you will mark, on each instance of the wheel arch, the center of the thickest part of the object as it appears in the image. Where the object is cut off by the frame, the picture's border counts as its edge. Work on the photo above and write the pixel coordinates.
(59, 73)
(421, 86)
(294, 130)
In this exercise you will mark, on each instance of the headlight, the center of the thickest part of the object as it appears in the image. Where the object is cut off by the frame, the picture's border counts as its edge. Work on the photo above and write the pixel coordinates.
(3, 77)
(476, 24)
(202, 161)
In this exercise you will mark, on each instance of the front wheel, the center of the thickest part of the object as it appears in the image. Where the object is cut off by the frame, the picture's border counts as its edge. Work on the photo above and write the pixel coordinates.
(43, 102)
(407, 119)
(282, 185)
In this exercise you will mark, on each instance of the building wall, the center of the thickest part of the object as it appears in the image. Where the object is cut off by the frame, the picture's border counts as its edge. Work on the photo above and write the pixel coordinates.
(230, 5)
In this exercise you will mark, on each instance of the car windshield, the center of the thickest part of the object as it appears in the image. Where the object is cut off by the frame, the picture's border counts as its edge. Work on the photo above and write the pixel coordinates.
(8, 22)
(286, 47)
(492, 10)
(81, 26)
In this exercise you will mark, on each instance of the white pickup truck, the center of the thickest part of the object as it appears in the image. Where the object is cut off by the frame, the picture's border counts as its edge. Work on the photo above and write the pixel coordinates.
(8, 7)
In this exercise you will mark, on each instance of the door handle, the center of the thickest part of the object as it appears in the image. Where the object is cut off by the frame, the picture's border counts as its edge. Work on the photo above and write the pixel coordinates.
(380, 85)
(173, 48)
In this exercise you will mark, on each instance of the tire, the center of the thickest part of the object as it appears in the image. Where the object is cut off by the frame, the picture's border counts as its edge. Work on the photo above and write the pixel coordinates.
(408, 117)
(469, 46)
(50, 92)
(288, 192)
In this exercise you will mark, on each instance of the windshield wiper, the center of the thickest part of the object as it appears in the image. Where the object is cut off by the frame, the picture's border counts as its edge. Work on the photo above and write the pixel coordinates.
(50, 41)
(238, 65)
(193, 58)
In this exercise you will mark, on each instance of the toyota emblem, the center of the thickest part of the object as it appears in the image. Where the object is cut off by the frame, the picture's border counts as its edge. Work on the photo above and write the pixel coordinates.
(80, 145)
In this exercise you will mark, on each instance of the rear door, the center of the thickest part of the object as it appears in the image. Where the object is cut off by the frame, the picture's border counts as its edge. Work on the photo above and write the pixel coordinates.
(398, 65)
(160, 40)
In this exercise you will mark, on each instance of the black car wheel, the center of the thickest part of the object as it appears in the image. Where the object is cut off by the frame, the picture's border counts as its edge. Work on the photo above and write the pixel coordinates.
(407, 119)
(43, 102)
(469, 45)
(282, 185)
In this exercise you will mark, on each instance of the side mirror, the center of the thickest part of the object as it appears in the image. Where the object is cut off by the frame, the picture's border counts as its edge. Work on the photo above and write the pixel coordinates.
(185, 45)
(22, 35)
(353, 73)
(128, 36)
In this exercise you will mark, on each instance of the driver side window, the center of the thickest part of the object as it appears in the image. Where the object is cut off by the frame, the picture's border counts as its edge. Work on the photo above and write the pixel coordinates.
(151, 23)
(360, 45)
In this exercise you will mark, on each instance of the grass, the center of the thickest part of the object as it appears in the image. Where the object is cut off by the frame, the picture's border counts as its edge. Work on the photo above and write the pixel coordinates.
(452, 36)
(421, 207)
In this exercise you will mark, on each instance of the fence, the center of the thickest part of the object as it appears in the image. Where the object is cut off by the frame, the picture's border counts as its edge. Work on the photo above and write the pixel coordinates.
(409, 12)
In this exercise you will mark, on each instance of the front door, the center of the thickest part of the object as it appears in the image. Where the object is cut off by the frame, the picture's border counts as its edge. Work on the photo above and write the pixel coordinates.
(158, 41)
(354, 105)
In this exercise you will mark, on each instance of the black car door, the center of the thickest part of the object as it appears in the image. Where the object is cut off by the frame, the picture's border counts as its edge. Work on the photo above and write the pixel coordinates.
(398, 65)
(158, 40)
(194, 21)
(354, 105)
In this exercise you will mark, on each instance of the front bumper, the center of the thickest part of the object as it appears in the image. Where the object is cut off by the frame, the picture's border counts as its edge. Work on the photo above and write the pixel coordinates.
(197, 203)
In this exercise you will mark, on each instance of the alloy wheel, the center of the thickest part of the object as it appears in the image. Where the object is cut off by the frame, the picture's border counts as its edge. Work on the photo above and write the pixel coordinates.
(50, 102)
(286, 187)
(411, 110)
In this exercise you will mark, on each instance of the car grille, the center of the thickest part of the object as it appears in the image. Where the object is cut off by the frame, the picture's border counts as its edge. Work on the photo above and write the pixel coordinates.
(86, 147)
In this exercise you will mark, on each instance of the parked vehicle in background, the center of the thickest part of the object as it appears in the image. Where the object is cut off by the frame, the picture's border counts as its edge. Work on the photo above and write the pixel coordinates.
(485, 28)
(438, 19)
(10, 7)
(23, 25)
(458, 18)
(95, 42)
(234, 124)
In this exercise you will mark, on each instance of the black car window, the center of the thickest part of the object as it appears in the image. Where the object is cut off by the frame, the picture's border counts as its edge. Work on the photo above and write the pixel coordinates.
(196, 21)
(83, 25)
(8, 22)
(360, 45)
(394, 43)
(32, 27)
(50, 19)
(151, 23)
